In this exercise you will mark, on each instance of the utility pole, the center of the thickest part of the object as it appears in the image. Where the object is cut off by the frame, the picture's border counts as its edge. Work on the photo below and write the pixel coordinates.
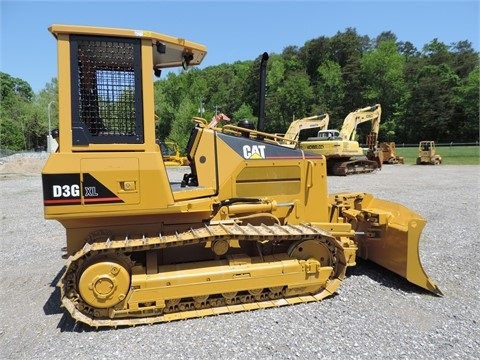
(201, 109)
(49, 136)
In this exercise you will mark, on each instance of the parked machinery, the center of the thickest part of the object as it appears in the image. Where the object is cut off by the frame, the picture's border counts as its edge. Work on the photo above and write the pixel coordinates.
(343, 153)
(427, 153)
(251, 226)
(171, 154)
(389, 153)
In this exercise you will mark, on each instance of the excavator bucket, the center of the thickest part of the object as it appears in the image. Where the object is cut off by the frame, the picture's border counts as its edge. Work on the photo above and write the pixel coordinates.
(387, 234)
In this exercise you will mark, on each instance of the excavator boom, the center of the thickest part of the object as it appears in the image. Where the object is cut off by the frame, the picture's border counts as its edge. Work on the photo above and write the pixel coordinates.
(298, 128)
(352, 120)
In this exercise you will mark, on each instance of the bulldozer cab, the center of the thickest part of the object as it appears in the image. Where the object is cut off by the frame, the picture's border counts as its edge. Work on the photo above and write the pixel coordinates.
(102, 75)
(107, 121)
(427, 146)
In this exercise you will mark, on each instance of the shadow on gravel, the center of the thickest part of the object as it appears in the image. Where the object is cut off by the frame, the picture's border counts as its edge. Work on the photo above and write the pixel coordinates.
(53, 306)
(384, 277)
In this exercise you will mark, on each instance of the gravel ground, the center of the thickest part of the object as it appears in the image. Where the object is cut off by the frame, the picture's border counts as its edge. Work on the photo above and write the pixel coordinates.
(374, 315)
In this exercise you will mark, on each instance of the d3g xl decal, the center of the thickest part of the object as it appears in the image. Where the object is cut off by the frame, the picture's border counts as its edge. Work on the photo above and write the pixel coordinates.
(67, 189)
(61, 189)
(94, 192)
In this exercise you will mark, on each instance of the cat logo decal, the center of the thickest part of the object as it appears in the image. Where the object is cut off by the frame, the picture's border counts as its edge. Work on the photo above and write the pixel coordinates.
(254, 151)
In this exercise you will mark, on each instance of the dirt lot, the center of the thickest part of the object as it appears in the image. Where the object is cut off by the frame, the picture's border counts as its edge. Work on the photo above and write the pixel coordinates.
(374, 315)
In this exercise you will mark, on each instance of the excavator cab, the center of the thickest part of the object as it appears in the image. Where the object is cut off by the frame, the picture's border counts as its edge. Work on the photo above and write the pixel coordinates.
(327, 135)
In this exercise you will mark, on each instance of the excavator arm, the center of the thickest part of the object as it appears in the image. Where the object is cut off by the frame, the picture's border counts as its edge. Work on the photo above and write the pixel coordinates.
(353, 119)
(318, 122)
(349, 130)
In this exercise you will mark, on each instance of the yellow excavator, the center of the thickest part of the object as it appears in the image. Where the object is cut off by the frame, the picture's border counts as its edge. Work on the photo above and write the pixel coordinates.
(343, 153)
(251, 225)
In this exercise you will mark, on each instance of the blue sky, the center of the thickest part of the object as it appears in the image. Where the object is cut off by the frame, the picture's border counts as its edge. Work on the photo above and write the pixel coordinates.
(231, 30)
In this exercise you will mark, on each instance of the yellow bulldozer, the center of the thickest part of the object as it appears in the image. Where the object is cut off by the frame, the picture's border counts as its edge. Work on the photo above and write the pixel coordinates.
(427, 153)
(251, 225)
(389, 153)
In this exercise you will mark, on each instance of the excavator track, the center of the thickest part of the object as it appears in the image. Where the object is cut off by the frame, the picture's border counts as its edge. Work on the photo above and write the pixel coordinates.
(353, 166)
(103, 286)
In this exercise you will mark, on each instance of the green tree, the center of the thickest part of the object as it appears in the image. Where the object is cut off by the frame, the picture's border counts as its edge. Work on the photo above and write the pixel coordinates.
(466, 117)
(224, 88)
(347, 49)
(244, 112)
(331, 90)
(13, 89)
(465, 59)
(313, 54)
(169, 93)
(182, 124)
(437, 53)
(16, 113)
(11, 136)
(432, 106)
(295, 97)
(384, 83)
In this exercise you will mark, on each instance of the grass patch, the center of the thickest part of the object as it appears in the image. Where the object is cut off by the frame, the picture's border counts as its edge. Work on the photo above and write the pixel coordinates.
(451, 155)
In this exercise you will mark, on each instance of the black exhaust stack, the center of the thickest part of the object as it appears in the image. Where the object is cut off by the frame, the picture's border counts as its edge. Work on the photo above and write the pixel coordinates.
(262, 93)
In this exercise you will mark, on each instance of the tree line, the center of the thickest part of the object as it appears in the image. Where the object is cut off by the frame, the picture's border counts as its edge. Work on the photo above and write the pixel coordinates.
(430, 93)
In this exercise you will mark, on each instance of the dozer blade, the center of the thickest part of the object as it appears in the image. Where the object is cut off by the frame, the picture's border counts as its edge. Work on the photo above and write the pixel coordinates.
(387, 234)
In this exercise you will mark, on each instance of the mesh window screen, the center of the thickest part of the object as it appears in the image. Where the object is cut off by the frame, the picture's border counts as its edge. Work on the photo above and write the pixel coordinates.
(106, 96)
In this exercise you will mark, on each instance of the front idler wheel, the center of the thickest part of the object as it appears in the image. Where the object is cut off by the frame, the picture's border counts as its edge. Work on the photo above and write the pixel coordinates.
(104, 281)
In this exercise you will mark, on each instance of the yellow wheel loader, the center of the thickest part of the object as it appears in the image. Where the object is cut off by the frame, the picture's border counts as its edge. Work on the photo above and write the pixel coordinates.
(250, 226)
